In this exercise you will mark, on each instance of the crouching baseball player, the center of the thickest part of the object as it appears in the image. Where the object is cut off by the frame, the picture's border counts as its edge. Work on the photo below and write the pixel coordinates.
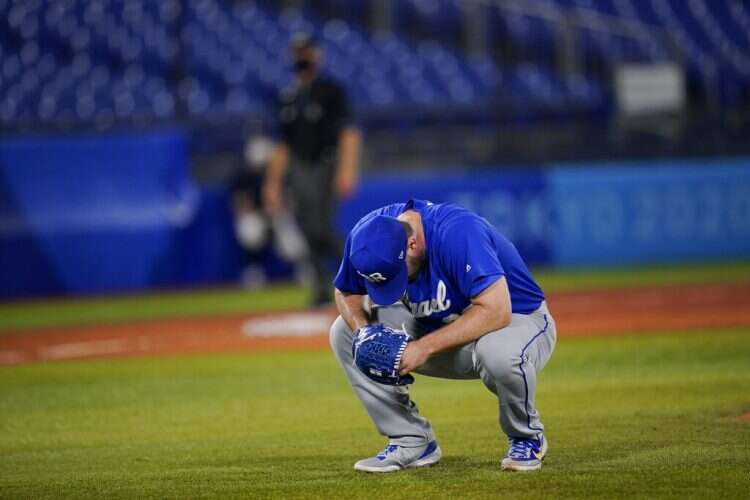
(451, 298)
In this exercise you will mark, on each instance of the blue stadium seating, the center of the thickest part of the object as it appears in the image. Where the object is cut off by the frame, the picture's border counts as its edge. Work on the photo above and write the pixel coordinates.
(67, 63)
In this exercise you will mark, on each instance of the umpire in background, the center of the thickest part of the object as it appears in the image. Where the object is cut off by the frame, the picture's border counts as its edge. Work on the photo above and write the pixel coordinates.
(319, 148)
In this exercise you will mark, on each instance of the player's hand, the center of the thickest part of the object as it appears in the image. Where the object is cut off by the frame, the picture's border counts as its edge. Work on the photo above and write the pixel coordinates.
(415, 355)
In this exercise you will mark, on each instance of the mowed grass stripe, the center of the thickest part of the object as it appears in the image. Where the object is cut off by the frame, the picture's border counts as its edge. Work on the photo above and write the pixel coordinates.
(114, 309)
(645, 416)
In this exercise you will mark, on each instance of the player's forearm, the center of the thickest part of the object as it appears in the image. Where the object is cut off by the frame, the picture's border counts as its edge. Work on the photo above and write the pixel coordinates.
(491, 310)
(473, 324)
(351, 308)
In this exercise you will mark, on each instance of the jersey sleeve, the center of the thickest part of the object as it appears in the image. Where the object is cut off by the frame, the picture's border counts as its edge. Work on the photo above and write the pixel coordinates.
(347, 280)
(471, 257)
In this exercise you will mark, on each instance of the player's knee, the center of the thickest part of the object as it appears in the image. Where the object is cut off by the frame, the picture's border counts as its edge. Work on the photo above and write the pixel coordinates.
(340, 337)
(495, 360)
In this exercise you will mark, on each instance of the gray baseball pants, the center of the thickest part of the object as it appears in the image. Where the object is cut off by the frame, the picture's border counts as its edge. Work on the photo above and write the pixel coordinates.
(506, 360)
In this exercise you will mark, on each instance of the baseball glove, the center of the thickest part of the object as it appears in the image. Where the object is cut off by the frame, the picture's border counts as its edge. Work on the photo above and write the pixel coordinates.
(377, 351)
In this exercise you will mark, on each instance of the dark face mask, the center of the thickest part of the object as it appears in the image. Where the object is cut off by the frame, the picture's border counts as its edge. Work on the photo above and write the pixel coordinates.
(301, 65)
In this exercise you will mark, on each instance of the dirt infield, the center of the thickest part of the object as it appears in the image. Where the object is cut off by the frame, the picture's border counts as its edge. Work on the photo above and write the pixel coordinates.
(612, 312)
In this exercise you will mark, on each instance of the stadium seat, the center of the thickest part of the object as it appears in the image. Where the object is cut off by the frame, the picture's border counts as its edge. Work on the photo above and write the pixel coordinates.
(58, 60)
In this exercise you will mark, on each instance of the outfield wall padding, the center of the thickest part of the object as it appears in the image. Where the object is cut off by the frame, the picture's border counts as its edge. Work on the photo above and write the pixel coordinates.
(593, 214)
(108, 213)
(89, 214)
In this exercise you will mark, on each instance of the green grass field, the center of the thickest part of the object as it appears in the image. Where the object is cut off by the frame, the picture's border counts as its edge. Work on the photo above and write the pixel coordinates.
(627, 417)
(635, 416)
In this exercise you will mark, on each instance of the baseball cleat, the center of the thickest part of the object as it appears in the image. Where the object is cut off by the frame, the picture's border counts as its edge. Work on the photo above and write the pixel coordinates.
(395, 457)
(525, 454)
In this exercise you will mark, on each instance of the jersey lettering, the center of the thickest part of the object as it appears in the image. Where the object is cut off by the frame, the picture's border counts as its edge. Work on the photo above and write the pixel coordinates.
(437, 304)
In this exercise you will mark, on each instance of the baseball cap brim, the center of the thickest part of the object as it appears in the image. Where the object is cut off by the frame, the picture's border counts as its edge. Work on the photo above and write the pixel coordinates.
(385, 294)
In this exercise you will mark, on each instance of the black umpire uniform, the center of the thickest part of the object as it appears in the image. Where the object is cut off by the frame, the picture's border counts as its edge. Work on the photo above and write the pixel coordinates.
(311, 116)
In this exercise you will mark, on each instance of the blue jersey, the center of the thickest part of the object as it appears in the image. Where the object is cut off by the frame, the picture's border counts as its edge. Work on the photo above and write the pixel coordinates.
(465, 254)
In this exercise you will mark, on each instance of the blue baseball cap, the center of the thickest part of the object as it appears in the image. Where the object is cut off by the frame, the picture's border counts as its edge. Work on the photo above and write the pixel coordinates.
(378, 254)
